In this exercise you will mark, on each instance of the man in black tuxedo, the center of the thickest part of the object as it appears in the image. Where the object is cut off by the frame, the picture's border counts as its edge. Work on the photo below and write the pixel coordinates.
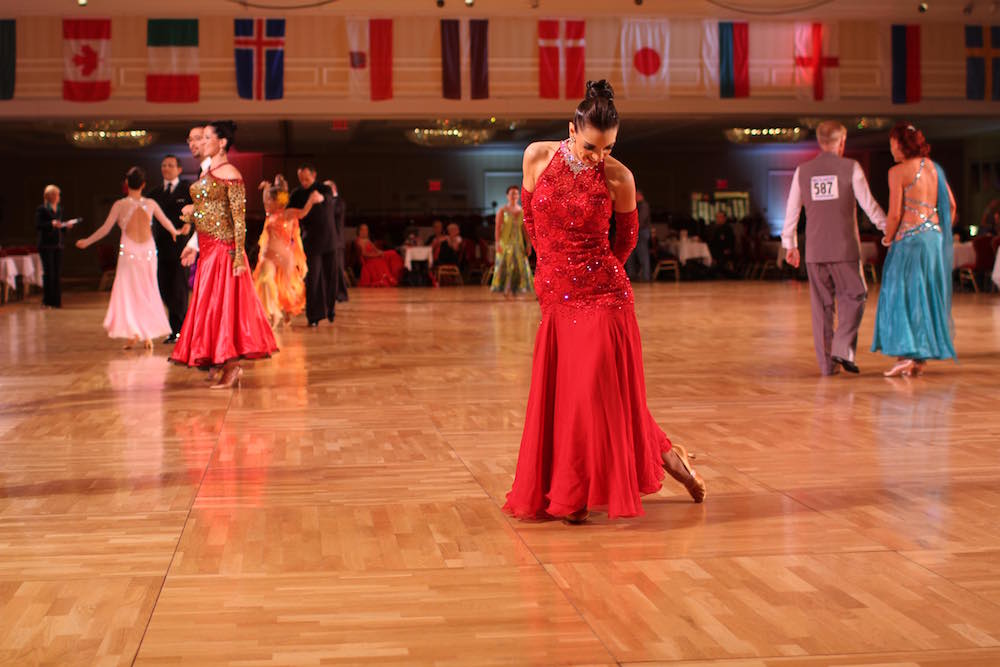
(172, 196)
(340, 216)
(320, 241)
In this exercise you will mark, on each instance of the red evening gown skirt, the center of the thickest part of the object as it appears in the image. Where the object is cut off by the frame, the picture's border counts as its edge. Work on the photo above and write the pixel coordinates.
(589, 440)
(384, 271)
(225, 319)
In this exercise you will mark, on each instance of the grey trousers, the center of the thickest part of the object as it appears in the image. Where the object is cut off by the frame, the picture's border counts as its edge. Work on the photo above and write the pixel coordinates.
(839, 285)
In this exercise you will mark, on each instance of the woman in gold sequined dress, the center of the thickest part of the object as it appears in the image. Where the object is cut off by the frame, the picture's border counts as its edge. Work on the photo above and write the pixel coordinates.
(225, 321)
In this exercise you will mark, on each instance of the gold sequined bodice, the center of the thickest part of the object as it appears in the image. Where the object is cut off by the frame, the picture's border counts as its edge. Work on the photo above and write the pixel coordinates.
(220, 212)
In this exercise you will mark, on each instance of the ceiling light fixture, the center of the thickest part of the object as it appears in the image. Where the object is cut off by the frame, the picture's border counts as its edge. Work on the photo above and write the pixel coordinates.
(750, 135)
(112, 134)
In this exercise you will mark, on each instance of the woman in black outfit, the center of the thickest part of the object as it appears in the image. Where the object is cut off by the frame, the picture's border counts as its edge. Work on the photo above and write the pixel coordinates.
(50, 225)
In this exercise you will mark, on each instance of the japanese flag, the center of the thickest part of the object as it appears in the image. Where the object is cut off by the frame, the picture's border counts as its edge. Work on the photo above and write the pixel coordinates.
(645, 53)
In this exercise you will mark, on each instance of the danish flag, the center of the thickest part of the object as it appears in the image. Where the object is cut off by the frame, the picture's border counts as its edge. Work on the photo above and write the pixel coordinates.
(561, 56)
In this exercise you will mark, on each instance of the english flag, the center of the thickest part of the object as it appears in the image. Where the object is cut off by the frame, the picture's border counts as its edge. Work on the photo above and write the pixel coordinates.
(816, 61)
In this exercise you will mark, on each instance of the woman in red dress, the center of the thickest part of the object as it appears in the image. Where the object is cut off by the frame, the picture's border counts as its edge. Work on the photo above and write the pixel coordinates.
(379, 268)
(225, 321)
(589, 440)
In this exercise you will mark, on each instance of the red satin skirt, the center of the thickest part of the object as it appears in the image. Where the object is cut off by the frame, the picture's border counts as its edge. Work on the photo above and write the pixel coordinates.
(225, 320)
(589, 440)
(384, 271)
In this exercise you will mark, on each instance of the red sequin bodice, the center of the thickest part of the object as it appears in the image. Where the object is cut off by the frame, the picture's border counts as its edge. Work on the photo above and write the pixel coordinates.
(567, 218)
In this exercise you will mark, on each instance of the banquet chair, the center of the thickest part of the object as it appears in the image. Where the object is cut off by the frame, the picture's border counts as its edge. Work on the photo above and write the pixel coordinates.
(449, 271)
(668, 265)
(870, 270)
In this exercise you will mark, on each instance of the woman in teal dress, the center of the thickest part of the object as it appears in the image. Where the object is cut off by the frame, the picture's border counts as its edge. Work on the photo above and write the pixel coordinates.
(511, 270)
(914, 321)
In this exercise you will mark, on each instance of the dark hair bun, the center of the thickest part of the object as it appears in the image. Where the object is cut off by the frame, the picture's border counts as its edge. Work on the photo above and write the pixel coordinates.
(225, 129)
(135, 177)
(598, 89)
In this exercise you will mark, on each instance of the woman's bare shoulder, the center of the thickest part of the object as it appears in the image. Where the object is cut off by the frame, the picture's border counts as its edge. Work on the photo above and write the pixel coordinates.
(617, 172)
(540, 150)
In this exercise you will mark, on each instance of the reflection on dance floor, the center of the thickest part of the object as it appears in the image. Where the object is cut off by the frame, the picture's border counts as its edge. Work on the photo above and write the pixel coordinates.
(343, 506)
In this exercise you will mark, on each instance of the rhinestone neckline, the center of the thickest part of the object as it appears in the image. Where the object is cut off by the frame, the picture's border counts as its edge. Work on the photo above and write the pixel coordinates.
(576, 166)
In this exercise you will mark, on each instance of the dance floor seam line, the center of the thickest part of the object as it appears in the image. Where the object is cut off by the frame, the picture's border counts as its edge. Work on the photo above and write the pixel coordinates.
(180, 536)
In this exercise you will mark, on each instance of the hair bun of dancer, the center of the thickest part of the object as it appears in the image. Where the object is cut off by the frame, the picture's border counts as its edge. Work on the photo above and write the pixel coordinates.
(597, 110)
(911, 140)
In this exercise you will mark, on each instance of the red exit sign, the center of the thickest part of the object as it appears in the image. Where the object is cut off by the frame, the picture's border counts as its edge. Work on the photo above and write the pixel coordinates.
(433, 186)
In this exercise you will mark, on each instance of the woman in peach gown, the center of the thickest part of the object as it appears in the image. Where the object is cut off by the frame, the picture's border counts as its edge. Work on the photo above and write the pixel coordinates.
(280, 274)
(135, 311)
(379, 268)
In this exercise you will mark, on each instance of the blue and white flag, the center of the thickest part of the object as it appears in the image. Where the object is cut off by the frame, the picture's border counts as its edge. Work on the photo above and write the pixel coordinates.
(260, 58)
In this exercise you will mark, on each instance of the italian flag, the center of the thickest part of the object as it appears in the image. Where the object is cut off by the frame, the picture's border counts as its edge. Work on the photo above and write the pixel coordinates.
(172, 75)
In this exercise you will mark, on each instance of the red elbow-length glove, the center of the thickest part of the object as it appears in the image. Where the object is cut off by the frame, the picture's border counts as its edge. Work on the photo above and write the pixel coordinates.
(626, 227)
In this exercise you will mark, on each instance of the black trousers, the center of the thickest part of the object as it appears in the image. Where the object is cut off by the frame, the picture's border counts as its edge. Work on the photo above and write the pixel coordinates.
(52, 276)
(341, 282)
(172, 280)
(321, 286)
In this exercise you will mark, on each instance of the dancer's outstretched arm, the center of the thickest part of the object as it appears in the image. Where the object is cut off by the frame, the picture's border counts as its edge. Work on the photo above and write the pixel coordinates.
(166, 223)
(103, 230)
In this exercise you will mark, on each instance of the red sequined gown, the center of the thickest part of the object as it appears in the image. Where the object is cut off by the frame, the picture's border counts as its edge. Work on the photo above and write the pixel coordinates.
(589, 440)
(225, 320)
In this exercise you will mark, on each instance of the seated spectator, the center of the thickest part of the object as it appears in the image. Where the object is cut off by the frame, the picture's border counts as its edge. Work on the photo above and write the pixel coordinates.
(449, 248)
(436, 235)
(379, 268)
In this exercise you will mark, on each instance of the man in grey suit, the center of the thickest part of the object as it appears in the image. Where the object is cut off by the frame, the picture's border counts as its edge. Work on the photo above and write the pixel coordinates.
(828, 186)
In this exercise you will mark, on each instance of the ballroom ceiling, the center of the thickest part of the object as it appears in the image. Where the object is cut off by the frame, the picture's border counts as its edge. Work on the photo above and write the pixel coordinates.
(936, 10)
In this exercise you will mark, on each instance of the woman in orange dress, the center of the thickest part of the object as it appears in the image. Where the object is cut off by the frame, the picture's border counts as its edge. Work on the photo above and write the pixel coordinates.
(281, 269)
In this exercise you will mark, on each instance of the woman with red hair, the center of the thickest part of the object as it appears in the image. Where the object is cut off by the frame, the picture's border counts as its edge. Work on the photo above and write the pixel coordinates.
(914, 305)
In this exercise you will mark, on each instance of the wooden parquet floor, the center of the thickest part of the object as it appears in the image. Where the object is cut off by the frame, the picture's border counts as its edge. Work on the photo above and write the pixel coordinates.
(343, 506)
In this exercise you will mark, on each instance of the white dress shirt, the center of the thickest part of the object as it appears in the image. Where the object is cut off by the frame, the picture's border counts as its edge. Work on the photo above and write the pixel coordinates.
(789, 239)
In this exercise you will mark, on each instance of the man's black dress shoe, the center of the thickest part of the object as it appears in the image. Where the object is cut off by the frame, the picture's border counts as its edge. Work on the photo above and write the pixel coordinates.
(329, 318)
(848, 366)
(314, 323)
(171, 339)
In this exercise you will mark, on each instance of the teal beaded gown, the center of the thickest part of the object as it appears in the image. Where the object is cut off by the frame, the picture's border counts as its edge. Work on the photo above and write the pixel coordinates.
(914, 305)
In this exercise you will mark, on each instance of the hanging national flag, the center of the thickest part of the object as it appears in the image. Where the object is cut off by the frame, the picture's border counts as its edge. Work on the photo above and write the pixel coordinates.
(905, 64)
(725, 58)
(815, 45)
(8, 57)
(370, 58)
(86, 59)
(172, 45)
(982, 62)
(260, 58)
(561, 56)
(453, 63)
(645, 45)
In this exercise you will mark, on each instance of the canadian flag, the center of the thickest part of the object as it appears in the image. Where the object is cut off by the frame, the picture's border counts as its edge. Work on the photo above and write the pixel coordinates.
(370, 58)
(86, 59)
(561, 56)
(644, 58)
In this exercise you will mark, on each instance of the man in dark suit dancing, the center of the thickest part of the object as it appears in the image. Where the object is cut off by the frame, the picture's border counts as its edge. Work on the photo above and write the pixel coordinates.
(172, 196)
(320, 241)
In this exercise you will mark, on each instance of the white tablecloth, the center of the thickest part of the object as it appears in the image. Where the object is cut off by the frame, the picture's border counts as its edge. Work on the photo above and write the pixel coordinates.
(418, 253)
(685, 249)
(29, 267)
(965, 254)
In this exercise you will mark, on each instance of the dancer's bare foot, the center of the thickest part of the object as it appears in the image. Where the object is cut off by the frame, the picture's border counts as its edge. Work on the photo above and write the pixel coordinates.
(677, 464)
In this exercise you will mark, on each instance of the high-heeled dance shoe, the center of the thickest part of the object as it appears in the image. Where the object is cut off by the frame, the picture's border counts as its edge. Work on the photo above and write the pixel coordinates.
(147, 344)
(130, 343)
(229, 378)
(678, 466)
(577, 517)
(903, 367)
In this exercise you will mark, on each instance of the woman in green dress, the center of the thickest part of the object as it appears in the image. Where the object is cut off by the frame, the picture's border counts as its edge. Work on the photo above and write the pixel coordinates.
(511, 270)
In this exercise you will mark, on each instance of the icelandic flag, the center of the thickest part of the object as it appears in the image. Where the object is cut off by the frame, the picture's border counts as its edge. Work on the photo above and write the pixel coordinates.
(260, 58)
(905, 64)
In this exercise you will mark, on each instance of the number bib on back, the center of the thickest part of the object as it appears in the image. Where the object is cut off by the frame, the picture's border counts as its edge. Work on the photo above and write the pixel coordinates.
(824, 188)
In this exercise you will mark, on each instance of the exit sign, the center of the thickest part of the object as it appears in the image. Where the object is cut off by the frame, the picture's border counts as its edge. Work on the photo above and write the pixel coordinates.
(433, 186)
